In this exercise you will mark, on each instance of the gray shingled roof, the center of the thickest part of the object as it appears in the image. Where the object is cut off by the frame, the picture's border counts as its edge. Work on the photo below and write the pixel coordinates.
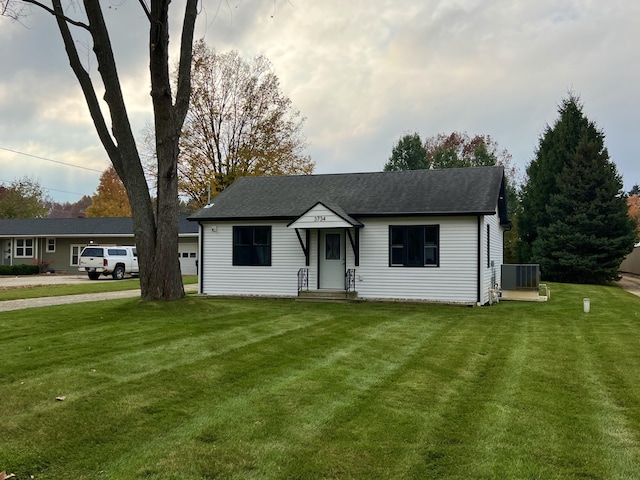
(61, 227)
(453, 191)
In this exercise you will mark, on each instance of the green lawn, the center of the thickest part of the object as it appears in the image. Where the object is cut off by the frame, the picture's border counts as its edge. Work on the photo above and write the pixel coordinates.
(103, 285)
(262, 389)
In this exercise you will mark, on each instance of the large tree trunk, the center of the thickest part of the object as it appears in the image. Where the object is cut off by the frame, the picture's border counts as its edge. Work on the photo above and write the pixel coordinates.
(156, 233)
(168, 119)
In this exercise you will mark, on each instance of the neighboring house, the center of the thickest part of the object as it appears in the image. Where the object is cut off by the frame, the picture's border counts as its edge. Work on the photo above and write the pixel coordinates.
(434, 235)
(60, 240)
(631, 264)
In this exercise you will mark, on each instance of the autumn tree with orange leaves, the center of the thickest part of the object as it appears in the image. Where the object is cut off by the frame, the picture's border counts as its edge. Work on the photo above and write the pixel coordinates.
(110, 199)
(239, 123)
(633, 201)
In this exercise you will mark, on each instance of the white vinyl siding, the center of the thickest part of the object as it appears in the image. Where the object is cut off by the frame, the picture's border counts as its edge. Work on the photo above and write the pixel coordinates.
(455, 280)
(491, 273)
(220, 277)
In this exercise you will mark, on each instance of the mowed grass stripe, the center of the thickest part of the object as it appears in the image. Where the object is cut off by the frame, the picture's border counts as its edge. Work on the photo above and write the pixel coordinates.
(555, 407)
(489, 410)
(409, 409)
(287, 410)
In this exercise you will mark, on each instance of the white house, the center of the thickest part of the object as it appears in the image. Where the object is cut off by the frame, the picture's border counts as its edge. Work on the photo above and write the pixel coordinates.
(433, 235)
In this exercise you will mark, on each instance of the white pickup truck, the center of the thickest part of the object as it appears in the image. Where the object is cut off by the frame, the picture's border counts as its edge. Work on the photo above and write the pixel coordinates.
(115, 261)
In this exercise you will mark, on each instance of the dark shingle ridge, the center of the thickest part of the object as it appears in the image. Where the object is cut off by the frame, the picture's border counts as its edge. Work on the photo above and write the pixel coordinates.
(453, 191)
(78, 226)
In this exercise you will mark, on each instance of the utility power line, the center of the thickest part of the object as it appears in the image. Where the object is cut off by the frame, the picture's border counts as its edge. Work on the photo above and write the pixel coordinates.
(50, 160)
(9, 182)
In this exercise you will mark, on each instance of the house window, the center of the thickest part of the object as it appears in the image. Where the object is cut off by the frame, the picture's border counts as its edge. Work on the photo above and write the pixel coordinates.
(252, 246)
(24, 247)
(51, 245)
(414, 246)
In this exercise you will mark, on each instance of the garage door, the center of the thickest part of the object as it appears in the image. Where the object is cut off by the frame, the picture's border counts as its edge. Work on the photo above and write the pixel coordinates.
(188, 254)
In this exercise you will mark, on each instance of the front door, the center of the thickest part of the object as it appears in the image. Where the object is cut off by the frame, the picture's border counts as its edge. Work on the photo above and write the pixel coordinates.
(7, 252)
(332, 261)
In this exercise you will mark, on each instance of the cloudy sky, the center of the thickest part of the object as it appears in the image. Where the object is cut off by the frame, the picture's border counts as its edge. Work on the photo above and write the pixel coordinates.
(362, 72)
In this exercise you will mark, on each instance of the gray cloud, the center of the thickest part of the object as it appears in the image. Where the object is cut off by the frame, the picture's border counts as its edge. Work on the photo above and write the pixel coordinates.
(363, 73)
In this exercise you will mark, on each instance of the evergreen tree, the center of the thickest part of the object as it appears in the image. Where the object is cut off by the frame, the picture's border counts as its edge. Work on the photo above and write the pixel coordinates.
(575, 218)
(555, 147)
(408, 154)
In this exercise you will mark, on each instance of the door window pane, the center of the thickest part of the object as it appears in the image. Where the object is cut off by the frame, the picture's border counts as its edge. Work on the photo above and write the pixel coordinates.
(332, 246)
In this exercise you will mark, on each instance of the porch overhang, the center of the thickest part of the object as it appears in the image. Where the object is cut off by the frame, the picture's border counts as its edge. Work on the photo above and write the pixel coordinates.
(325, 216)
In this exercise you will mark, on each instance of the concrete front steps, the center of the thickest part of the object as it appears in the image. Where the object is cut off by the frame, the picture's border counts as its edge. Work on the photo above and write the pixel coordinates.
(331, 296)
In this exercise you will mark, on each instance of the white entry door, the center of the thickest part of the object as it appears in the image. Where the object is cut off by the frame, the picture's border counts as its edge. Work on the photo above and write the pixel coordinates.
(332, 261)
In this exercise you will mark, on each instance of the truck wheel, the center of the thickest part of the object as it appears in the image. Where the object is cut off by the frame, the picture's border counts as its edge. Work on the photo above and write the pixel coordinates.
(93, 275)
(118, 272)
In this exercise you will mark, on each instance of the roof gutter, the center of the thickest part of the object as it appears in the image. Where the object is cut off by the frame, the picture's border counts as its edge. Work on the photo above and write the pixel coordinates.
(200, 268)
(479, 266)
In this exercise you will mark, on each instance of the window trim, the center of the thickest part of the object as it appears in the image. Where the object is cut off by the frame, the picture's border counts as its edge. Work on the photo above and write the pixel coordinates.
(53, 244)
(253, 247)
(404, 247)
(24, 247)
(79, 247)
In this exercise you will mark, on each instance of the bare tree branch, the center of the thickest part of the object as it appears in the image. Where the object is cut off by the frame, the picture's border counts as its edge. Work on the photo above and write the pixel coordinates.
(184, 66)
(108, 72)
(58, 14)
(85, 82)
(144, 6)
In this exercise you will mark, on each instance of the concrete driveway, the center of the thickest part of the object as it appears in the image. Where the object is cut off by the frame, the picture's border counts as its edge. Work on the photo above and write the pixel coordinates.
(630, 283)
(7, 281)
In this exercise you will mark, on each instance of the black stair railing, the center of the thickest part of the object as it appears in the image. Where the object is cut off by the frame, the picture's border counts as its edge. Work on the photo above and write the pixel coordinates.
(303, 279)
(350, 280)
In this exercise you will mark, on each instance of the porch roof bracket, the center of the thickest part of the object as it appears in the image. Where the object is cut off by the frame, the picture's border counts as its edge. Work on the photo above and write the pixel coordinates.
(355, 245)
(305, 249)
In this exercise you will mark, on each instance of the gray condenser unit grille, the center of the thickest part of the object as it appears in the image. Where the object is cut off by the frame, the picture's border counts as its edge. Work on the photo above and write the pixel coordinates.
(520, 277)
